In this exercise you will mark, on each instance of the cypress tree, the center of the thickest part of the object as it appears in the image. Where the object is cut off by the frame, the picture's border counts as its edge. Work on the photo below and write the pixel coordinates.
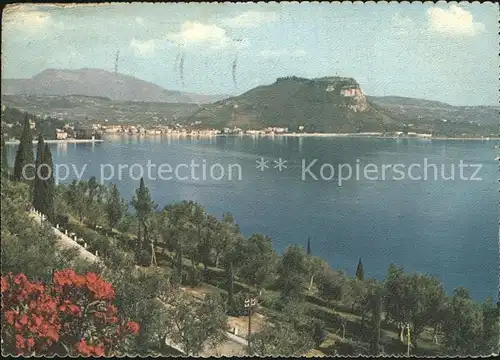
(38, 184)
(48, 172)
(143, 205)
(43, 192)
(24, 155)
(360, 272)
(308, 246)
(5, 162)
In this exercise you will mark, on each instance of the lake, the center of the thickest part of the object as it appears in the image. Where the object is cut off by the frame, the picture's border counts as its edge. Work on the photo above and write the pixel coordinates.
(439, 226)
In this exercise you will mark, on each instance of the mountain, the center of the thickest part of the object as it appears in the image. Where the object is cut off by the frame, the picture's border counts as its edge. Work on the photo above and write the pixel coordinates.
(419, 110)
(328, 104)
(97, 82)
(99, 109)
(337, 104)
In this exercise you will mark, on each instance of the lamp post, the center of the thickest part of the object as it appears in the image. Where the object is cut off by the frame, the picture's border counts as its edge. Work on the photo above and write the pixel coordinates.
(250, 303)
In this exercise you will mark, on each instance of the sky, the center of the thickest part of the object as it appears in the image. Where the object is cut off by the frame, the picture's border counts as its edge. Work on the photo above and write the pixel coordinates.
(445, 51)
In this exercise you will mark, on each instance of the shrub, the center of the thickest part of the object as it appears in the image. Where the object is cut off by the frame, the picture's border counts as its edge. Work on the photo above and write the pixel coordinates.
(237, 305)
(143, 258)
(74, 315)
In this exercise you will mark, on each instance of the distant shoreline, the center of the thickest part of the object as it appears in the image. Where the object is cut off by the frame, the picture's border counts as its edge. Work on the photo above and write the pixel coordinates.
(66, 141)
(337, 135)
(205, 135)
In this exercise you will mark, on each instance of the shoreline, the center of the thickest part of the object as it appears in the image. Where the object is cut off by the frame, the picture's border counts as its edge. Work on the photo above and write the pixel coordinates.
(336, 135)
(366, 136)
(53, 141)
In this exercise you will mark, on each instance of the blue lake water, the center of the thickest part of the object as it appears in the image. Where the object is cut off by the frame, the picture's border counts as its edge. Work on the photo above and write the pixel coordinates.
(447, 228)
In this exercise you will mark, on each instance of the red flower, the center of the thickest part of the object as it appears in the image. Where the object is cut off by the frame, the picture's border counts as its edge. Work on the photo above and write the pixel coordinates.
(36, 315)
(5, 284)
(80, 280)
(75, 310)
(23, 320)
(10, 316)
(30, 343)
(19, 279)
(100, 288)
(133, 327)
(82, 348)
(20, 341)
(98, 350)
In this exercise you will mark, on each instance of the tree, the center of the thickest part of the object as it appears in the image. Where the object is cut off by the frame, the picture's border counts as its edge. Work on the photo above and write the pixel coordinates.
(490, 328)
(224, 235)
(49, 183)
(75, 196)
(144, 206)
(360, 272)
(115, 207)
(292, 272)
(280, 339)
(259, 261)
(314, 266)
(232, 260)
(43, 190)
(308, 246)
(394, 304)
(462, 327)
(376, 310)
(413, 298)
(194, 324)
(207, 241)
(24, 155)
(5, 161)
(39, 188)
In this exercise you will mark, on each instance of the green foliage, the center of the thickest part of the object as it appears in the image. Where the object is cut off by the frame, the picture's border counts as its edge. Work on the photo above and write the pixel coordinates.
(280, 339)
(5, 162)
(115, 207)
(293, 102)
(462, 327)
(413, 298)
(360, 272)
(46, 126)
(20, 253)
(24, 155)
(75, 196)
(144, 206)
(44, 189)
(292, 272)
(491, 330)
(195, 324)
(376, 298)
(259, 261)
(237, 306)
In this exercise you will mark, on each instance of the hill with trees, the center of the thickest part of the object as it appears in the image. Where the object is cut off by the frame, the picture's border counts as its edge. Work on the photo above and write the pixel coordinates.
(334, 104)
(329, 104)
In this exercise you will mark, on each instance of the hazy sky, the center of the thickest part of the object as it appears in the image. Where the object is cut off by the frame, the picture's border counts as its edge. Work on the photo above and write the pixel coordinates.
(444, 52)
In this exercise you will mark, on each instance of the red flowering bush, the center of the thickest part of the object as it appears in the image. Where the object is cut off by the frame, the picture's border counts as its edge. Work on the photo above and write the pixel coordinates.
(72, 316)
